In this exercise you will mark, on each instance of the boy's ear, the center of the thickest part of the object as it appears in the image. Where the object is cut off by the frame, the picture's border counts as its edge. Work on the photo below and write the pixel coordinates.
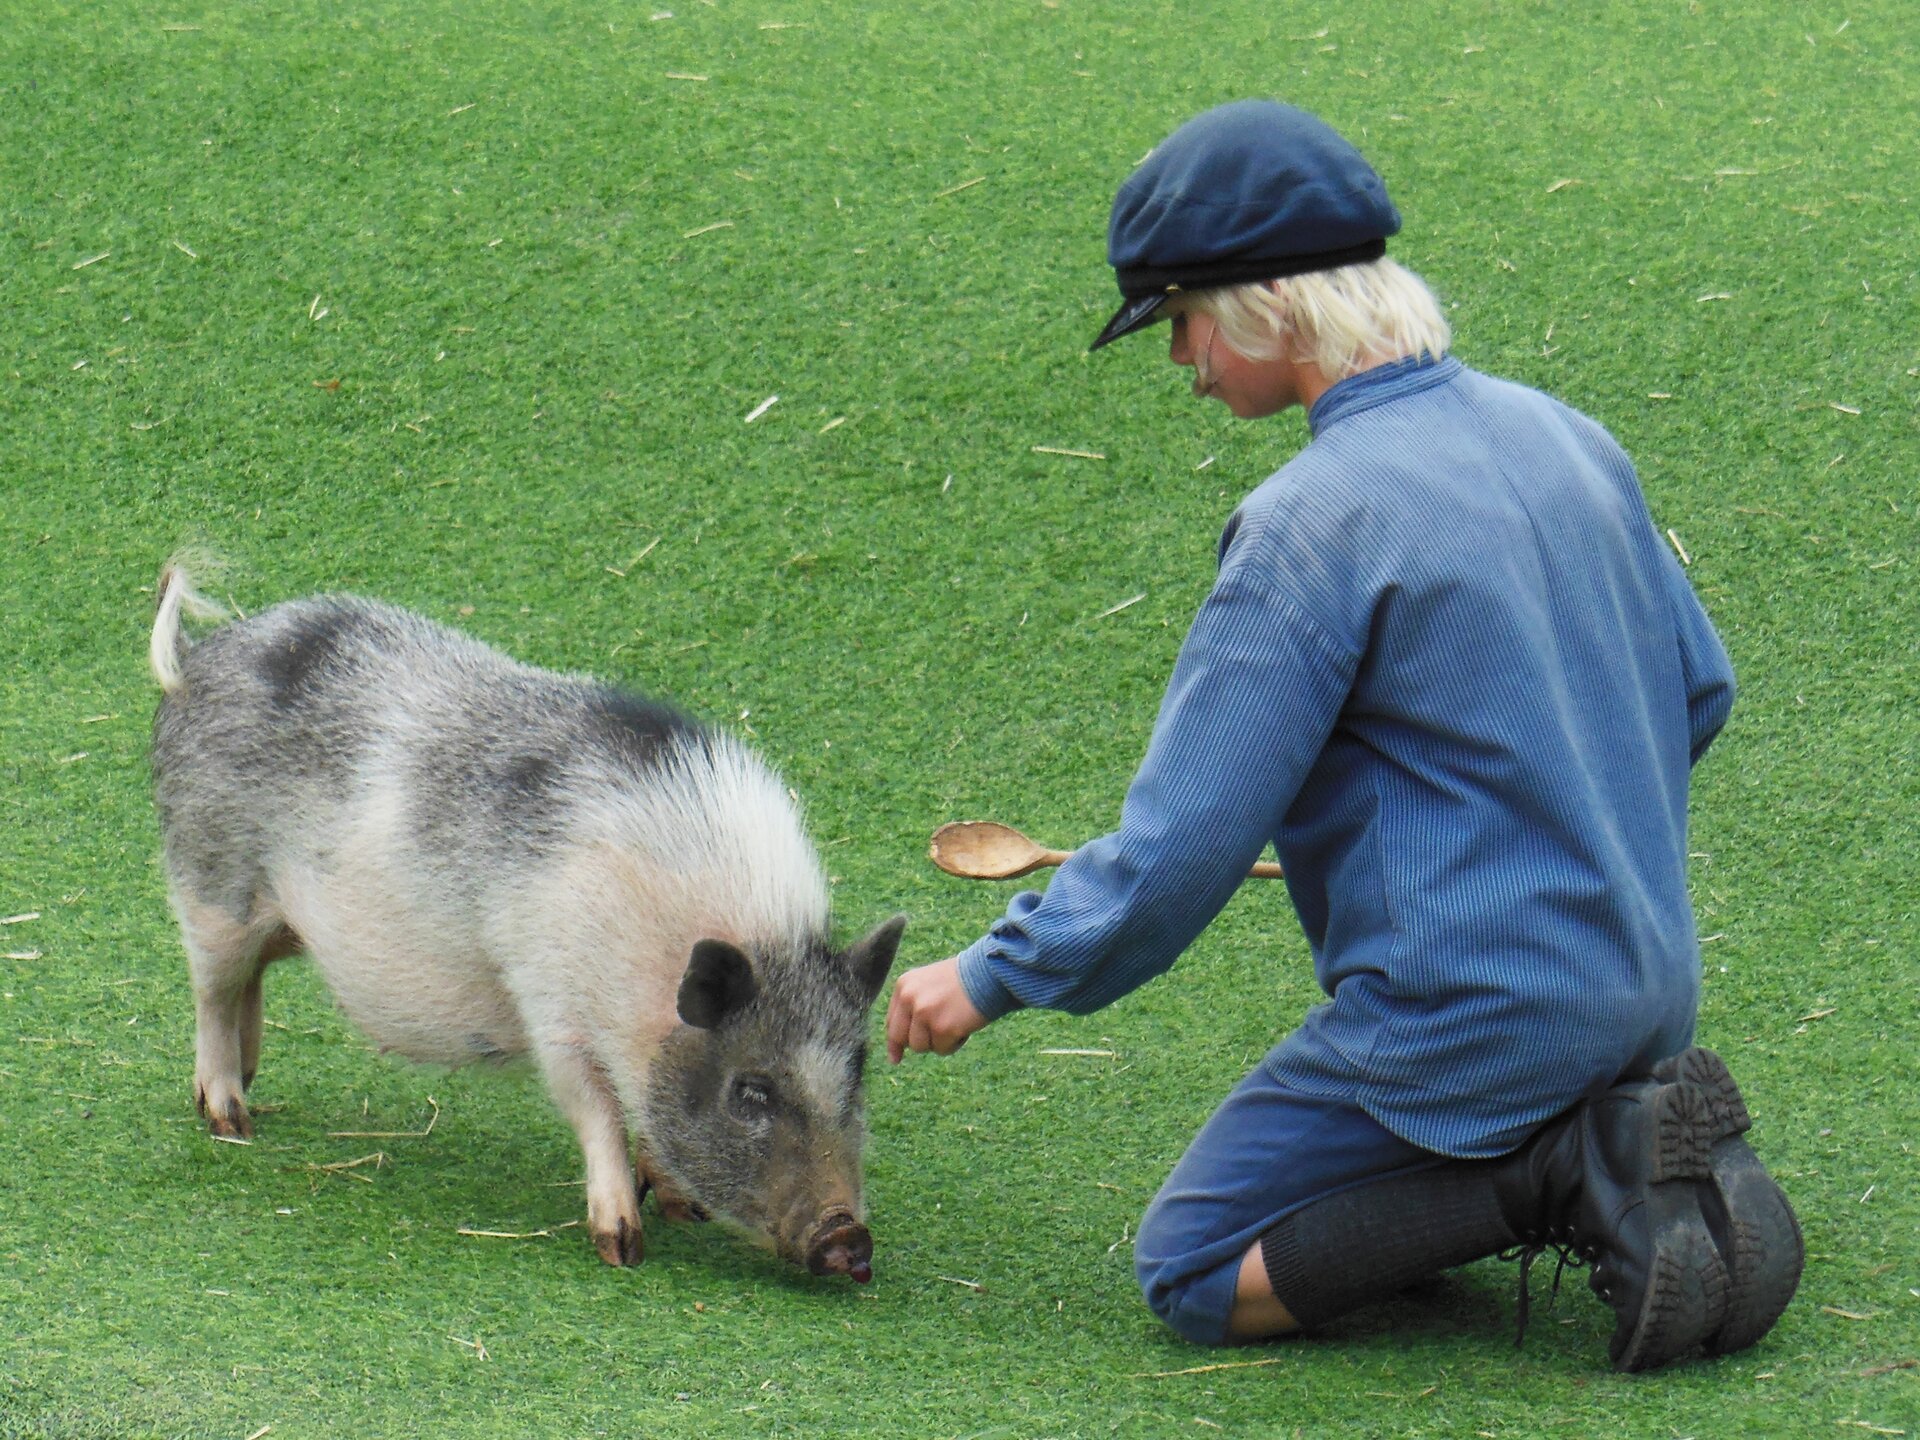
(870, 959)
(718, 982)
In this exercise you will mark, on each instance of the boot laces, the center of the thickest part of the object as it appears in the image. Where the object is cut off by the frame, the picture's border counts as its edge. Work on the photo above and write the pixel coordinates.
(1561, 1240)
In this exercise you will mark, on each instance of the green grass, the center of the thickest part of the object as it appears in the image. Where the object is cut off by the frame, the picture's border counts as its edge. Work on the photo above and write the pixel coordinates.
(528, 370)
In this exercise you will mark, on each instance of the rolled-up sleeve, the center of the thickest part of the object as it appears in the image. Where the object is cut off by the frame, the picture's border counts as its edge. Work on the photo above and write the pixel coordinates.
(1257, 690)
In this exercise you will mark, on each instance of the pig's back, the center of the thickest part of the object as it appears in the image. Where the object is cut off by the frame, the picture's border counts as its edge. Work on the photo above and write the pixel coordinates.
(323, 716)
(425, 812)
(296, 720)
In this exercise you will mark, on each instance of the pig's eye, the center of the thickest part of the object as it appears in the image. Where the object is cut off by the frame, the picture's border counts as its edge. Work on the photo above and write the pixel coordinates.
(752, 1095)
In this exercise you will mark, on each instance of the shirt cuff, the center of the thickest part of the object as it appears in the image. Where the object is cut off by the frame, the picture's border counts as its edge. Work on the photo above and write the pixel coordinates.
(983, 987)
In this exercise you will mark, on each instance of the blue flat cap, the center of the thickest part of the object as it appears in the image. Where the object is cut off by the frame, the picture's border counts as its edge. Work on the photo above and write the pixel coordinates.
(1252, 190)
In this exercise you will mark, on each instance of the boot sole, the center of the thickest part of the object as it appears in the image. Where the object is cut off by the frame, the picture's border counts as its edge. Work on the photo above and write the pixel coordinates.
(1747, 1214)
(1688, 1286)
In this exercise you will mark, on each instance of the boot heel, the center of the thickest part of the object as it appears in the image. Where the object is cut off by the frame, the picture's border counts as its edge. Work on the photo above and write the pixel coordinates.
(1686, 1296)
(1685, 1132)
(1764, 1250)
(1702, 1067)
(1749, 1217)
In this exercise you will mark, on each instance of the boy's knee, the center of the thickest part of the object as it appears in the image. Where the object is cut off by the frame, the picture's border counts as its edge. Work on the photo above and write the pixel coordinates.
(1174, 1299)
(1179, 1284)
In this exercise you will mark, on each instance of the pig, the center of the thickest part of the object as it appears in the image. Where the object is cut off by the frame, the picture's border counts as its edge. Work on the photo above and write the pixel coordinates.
(485, 859)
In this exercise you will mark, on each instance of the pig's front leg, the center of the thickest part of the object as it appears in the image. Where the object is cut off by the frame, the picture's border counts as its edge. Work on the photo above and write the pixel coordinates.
(581, 1089)
(673, 1204)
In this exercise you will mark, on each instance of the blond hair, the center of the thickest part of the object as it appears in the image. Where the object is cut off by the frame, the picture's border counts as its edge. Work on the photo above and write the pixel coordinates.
(1344, 320)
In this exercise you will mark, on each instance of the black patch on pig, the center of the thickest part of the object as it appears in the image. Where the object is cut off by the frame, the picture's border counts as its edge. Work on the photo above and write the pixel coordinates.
(633, 727)
(527, 777)
(300, 660)
(527, 788)
(468, 795)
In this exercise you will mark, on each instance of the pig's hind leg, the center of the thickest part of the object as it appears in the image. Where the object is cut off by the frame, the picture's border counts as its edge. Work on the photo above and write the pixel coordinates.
(225, 958)
(279, 944)
(581, 1089)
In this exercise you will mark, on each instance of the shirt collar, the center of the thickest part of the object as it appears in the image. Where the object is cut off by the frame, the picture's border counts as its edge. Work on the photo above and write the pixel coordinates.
(1379, 385)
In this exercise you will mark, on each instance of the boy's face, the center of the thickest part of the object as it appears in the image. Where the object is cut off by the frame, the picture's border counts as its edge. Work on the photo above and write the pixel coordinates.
(1249, 388)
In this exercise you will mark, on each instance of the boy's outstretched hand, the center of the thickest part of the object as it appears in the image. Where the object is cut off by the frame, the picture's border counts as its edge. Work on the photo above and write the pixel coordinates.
(930, 1011)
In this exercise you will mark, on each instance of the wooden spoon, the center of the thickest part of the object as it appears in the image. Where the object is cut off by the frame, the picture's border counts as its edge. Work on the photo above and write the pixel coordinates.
(988, 850)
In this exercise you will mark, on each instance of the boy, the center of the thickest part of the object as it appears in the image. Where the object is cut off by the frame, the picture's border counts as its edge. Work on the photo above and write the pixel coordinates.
(1448, 669)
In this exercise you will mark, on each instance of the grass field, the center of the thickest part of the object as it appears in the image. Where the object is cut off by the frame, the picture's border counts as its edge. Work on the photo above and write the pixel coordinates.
(465, 306)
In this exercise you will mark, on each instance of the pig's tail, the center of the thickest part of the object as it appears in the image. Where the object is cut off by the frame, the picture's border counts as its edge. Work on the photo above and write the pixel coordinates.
(173, 594)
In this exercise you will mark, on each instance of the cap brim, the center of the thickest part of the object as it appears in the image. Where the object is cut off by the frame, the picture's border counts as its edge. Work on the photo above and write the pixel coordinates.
(1131, 316)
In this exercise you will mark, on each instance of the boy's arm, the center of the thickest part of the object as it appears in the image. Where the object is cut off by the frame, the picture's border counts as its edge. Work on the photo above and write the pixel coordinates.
(1704, 667)
(1258, 689)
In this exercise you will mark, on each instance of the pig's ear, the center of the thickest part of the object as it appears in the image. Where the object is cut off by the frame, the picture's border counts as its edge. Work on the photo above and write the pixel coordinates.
(871, 958)
(719, 980)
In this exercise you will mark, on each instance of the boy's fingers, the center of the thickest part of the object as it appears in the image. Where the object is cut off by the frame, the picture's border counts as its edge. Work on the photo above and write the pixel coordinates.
(920, 1015)
(897, 1028)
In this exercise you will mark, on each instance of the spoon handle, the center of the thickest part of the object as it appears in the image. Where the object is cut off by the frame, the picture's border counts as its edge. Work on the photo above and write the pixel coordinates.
(1260, 870)
(1047, 859)
(1038, 860)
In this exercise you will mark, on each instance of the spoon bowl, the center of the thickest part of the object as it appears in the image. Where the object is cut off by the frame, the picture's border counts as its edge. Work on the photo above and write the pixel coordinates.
(988, 850)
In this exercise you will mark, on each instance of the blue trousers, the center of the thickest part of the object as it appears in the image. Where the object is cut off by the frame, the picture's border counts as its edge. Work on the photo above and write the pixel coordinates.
(1264, 1153)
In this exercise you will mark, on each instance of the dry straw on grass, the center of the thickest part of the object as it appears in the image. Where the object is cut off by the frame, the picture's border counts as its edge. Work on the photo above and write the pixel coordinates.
(390, 1134)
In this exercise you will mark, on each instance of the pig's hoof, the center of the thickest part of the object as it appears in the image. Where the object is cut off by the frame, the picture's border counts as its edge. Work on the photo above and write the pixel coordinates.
(622, 1245)
(232, 1123)
(226, 1120)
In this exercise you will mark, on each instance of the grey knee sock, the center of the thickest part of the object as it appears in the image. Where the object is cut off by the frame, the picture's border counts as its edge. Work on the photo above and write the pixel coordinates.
(1364, 1244)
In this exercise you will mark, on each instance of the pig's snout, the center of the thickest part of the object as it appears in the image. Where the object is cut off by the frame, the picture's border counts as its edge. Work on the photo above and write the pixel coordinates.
(841, 1245)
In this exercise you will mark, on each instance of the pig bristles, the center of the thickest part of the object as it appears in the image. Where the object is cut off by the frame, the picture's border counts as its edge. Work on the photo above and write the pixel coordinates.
(779, 886)
(175, 593)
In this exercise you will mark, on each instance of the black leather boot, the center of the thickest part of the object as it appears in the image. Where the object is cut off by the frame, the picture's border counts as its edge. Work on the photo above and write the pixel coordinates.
(1612, 1182)
(1747, 1214)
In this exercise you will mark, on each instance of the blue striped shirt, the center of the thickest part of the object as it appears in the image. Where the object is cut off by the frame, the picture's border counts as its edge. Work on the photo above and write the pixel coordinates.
(1450, 671)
